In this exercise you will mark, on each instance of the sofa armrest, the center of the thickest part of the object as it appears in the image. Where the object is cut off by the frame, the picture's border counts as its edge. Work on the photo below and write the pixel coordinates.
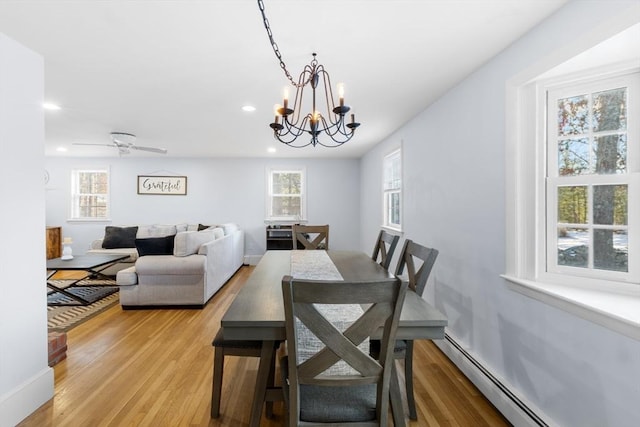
(96, 244)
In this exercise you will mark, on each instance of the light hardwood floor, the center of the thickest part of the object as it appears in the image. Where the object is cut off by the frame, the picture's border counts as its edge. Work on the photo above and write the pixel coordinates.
(154, 368)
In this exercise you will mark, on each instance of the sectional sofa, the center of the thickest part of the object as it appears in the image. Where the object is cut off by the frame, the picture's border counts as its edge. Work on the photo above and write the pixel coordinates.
(172, 265)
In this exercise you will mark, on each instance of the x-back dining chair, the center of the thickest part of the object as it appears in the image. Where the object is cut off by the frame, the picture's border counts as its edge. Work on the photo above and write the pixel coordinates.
(330, 379)
(310, 236)
(384, 248)
(419, 261)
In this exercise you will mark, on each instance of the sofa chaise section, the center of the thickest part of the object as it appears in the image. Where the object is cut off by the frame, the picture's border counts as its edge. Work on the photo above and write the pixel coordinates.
(201, 263)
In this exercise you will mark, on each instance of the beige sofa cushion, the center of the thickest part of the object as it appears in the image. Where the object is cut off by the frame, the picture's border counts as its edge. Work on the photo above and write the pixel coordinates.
(169, 265)
(127, 277)
(189, 242)
(155, 230)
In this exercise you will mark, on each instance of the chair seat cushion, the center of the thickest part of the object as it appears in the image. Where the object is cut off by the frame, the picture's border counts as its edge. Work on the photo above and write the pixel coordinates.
(337, 404)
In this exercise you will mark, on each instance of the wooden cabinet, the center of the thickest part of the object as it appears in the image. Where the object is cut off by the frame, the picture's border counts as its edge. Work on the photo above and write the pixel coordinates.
(54, 242)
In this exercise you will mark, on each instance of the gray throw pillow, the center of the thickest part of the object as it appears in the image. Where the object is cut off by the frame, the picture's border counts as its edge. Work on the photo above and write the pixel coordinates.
(119, 237)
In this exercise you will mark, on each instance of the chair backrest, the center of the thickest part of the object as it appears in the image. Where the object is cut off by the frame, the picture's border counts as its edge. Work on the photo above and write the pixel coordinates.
(312, 312)
(385, 246)
(310, 236)
(417, 277)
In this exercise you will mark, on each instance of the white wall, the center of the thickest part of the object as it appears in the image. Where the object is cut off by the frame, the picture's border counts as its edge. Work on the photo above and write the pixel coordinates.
(218, 191)
(25, 379)
(575, 373)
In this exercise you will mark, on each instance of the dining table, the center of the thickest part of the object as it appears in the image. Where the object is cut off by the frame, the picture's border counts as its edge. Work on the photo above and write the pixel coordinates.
(257, 312)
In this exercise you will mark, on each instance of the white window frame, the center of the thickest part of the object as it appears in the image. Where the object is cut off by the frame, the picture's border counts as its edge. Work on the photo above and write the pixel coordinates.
(391, 188)
(74, 213)
(303, 195)
(552, 92)
(610, 303)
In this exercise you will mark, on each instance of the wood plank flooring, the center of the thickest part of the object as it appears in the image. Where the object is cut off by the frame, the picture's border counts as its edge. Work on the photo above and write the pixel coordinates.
(154, 368)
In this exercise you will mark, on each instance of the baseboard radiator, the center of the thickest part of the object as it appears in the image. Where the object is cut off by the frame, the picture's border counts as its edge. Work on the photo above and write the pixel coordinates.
(508, 403)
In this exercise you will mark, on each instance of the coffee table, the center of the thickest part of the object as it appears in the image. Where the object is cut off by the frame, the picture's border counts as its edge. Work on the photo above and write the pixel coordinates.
(75, 294)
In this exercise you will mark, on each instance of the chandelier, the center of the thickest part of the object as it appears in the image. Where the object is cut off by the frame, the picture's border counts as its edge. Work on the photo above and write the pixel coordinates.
(330, 118)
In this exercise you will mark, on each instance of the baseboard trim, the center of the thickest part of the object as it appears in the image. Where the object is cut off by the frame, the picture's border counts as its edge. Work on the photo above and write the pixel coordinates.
(19, 403)
(516, 409)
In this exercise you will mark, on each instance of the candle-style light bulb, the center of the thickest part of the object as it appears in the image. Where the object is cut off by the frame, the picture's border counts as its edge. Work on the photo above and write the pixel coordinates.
(341, 93)
(276, 107)
(285, 101)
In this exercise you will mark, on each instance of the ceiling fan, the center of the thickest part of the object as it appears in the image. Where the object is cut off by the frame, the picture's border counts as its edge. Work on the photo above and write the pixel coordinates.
(124, 142)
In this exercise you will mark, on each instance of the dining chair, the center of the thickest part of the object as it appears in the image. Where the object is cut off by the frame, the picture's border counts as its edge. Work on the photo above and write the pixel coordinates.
(331, 378)
(310, 236)
(245, 348)
(417, 280)
(384, 248)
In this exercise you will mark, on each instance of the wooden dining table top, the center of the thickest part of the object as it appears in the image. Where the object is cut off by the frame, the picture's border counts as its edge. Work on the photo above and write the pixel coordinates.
(257, 313)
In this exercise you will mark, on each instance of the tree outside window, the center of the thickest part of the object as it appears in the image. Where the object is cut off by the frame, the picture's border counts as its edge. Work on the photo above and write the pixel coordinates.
(286, 198)
(589, 177)
(90, 194)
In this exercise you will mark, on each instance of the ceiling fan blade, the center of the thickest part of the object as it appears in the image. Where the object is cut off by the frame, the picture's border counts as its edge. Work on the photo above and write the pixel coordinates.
(151, 149)
(95, 145)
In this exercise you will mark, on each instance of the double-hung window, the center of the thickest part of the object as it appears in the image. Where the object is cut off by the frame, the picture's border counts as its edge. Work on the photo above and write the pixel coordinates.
(573, 192)
(90, 194)
(592, 183)
(286, 199)
(392, 190)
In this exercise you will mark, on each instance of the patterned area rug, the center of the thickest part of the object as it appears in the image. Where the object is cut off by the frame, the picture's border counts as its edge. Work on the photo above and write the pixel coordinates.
(63, 318)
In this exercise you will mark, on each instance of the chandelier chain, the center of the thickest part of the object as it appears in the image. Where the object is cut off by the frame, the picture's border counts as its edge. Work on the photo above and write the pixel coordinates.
(276, 50)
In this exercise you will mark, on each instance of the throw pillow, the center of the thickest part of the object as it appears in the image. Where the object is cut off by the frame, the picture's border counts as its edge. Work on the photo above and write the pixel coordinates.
(119, 237)
(218, 233)
(229, 228)
(155, 246)
(156, 230)
(189, 242)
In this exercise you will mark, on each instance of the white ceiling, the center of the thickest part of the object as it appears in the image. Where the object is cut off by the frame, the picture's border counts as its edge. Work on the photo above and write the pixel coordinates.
(176, 73)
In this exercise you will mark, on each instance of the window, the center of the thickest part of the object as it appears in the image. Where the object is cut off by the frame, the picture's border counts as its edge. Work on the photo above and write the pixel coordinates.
(573, 193)
(392, 190)
(286, 199)
(90, 194)
(592, 162)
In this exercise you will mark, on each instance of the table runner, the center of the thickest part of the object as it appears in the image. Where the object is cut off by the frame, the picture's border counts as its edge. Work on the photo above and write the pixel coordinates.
(313, 265)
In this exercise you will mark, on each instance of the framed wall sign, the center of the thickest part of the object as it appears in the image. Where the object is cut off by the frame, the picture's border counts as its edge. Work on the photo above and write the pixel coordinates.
(164, 185)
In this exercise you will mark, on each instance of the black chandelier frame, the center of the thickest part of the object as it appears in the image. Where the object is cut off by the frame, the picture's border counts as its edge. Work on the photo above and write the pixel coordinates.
(294, 124)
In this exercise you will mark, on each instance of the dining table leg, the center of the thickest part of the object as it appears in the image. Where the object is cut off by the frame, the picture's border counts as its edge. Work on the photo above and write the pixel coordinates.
(397, 408)
(265, 368)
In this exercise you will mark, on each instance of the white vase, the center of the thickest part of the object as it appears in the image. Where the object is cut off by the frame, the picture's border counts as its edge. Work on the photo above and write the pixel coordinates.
(67, 253)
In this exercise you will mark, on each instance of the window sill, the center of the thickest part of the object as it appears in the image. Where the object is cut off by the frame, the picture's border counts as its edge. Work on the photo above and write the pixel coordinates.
(88, 219)
(284, 221)
(617, 311)
(392, 229)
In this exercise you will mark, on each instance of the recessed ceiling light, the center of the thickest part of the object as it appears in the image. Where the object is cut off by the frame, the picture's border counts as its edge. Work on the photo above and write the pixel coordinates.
(249, 108)
(61, 149)
(50, 106)
(271, 150)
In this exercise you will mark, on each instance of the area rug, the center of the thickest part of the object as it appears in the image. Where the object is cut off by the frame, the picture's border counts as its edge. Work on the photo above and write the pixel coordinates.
(63, 318)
